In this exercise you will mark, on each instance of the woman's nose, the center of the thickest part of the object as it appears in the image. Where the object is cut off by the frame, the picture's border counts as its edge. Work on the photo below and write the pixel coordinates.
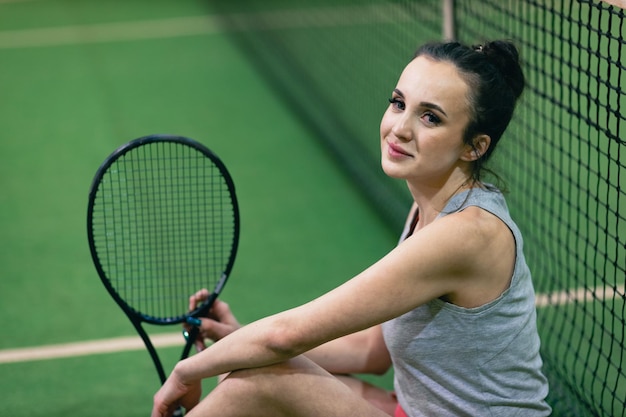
(402, 128)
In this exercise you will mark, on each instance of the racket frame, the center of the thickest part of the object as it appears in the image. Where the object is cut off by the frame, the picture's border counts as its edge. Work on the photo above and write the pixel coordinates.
(136, 317)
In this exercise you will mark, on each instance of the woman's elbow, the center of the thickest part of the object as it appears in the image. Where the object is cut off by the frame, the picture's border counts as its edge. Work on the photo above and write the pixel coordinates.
(285, 341)
(378, 360)
(380, 366)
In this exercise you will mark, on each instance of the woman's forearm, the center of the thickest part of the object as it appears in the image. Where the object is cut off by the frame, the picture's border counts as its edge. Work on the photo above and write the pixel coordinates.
(361, 352)
(285, 335)
(264, 342)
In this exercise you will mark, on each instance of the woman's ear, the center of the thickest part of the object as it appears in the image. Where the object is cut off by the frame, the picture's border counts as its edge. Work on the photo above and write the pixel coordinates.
(478, 149)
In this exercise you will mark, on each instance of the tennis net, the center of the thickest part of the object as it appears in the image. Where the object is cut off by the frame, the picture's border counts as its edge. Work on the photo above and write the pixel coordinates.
(562, 157)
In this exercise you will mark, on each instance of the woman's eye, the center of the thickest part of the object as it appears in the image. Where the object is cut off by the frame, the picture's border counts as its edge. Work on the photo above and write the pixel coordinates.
(397, 104)
(431, 119)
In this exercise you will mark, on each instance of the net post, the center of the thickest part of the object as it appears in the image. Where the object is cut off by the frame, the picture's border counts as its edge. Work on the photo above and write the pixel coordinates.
(448, 20)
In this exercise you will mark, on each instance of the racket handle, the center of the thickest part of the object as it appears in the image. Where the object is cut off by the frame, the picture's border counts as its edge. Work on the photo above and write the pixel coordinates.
(191, 337)
(194, 321)
(179, 412)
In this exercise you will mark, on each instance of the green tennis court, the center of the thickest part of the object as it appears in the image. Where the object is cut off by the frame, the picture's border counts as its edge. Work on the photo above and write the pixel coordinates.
(78, 78)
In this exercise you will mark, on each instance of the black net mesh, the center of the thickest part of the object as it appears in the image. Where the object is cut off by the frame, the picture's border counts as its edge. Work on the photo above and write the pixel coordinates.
(562, 157)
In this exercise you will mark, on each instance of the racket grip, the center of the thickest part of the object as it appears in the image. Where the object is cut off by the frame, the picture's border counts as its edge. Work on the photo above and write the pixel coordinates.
(191, 337)
(194, 321)
(179, 412)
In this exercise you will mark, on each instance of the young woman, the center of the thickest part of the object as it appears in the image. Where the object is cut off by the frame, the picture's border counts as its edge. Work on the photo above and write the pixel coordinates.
(451, 308)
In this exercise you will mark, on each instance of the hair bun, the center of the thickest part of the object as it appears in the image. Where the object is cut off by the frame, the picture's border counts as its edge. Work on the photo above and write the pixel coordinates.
(504, 56)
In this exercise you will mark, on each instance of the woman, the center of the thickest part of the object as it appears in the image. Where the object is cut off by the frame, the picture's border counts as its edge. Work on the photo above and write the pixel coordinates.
(451, 307)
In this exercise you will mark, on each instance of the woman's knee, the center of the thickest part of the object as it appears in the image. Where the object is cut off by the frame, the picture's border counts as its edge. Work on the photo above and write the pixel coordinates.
(262, 383)
(295, 387)
(239, 393)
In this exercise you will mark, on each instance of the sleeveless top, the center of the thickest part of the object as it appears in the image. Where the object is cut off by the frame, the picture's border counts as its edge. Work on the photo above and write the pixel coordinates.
(483, 361)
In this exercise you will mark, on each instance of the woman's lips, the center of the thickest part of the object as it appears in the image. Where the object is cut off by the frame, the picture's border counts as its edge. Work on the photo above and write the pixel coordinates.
(396, 151)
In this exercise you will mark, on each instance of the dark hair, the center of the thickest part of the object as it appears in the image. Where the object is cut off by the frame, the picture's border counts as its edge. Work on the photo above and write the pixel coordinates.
(496, 81)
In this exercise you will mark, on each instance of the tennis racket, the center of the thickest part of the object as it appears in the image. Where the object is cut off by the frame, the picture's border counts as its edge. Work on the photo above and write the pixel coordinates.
(163, 222)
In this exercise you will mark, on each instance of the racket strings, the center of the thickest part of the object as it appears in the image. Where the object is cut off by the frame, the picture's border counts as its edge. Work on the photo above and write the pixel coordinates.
(164, 227)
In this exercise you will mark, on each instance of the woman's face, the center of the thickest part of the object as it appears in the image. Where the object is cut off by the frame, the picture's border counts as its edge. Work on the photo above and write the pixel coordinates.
(422, 129)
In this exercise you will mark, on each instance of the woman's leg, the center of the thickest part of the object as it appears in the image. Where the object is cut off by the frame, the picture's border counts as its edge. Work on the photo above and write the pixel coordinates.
(378, 397)
(297, 388)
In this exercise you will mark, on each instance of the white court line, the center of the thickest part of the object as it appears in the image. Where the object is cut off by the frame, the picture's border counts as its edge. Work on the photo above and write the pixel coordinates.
(618, 3)
(107, 32)
(123, 344)
(92, 347)
(199, 25)
(579, 295)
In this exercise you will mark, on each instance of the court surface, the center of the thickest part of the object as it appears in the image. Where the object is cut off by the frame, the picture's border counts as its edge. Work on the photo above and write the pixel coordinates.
(78, 79)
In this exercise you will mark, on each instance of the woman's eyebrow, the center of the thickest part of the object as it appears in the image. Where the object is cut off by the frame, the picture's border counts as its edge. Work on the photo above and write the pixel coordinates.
(426, 104)
(433, 106)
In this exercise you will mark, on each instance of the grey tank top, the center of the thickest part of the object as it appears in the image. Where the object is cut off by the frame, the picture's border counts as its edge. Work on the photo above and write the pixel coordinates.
(483, 361)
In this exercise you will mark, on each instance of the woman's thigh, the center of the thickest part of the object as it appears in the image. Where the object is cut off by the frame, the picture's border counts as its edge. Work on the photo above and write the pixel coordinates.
(380, 398)
(296, 388)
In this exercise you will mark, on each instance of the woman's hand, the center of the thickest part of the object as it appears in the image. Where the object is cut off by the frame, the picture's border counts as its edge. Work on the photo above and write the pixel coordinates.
(219, 323)
(175, 393)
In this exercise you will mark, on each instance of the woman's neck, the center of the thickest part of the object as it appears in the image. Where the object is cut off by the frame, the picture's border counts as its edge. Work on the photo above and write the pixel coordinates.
(432, 200)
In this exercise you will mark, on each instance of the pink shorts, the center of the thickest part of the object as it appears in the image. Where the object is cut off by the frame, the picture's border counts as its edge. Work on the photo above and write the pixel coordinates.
(399, 412)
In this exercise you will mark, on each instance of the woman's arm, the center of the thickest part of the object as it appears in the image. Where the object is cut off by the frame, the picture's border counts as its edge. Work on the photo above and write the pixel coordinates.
(442, 258)
(445, 257)
(363, 352)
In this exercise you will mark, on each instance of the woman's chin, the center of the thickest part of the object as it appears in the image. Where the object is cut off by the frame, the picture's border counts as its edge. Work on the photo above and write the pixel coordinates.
(391, 170)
